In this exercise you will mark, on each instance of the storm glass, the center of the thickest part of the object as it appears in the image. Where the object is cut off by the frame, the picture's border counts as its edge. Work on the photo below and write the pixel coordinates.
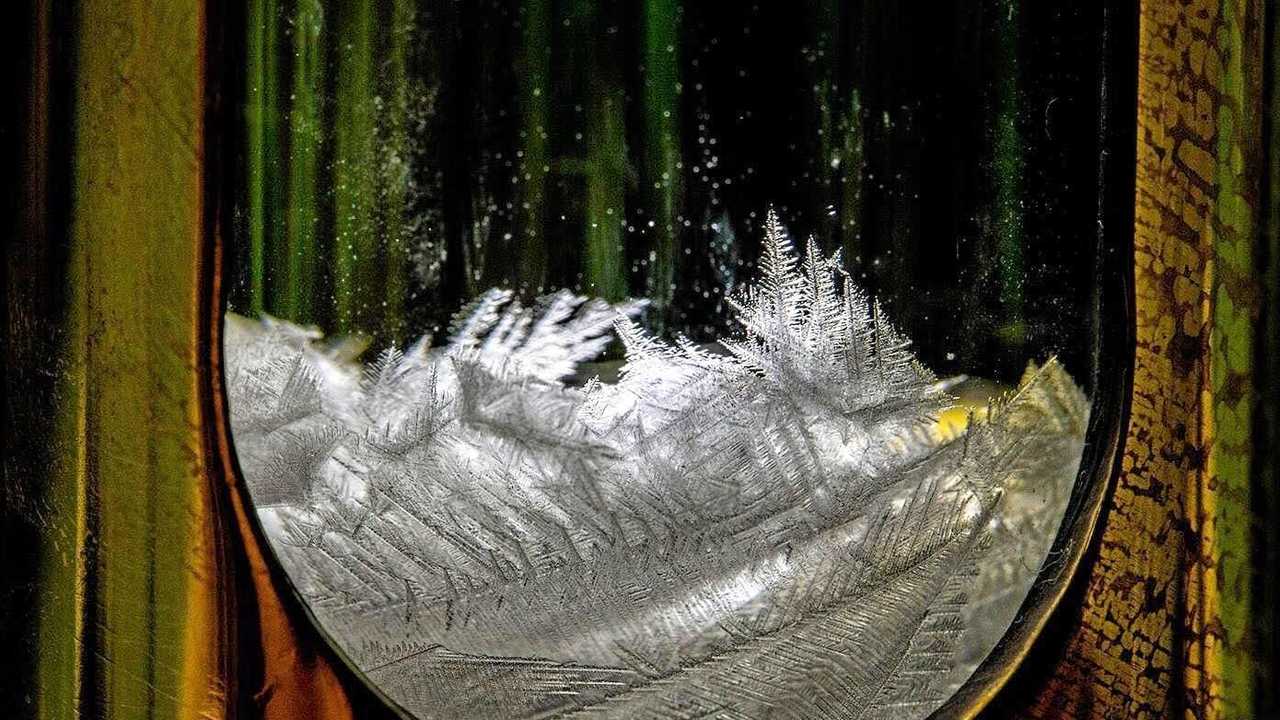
(650, 360)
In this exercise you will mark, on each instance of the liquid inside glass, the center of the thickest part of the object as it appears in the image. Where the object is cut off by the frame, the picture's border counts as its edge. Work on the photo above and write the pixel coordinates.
(652, 360)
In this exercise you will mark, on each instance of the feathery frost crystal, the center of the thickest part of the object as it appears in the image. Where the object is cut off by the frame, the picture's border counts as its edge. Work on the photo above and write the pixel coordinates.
(777, 528)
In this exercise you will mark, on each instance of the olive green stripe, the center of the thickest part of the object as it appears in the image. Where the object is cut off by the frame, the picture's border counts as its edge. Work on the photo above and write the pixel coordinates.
(115, 584)
(1008, 167)
(260, 114)
(1232, 343)
(535, 129)
(295, 297)
(396, 170)
(606, 159)
(355, 251)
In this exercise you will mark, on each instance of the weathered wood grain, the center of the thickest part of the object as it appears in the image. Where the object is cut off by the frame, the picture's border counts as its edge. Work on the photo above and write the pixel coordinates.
(1163, 628)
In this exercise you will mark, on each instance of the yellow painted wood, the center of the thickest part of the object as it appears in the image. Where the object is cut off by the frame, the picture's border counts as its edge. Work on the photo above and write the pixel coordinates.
(1163, 625)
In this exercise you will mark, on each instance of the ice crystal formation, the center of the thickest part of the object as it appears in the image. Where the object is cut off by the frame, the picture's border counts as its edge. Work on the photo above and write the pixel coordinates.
(778, 527)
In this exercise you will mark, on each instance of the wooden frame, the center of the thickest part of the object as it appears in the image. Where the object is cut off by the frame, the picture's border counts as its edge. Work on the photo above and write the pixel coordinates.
(148, 581)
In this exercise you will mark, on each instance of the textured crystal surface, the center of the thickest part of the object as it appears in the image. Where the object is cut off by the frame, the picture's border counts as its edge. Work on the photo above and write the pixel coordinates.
(785, 524)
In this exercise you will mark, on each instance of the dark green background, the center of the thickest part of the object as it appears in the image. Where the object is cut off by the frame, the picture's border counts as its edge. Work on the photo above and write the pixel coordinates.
(401, 156)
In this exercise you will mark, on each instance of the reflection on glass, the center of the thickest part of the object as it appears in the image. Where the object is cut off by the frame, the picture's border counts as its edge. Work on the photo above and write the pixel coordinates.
(543, 408)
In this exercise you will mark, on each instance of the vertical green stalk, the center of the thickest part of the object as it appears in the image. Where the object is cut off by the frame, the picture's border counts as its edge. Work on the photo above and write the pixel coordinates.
(851, 165)
(395, 170)
(823, 63)
(261, 117)
(1008, 165)
(845, 57)
(535, 91)
(294, 300)
(661, 98)
(606, 160)
(355, 244)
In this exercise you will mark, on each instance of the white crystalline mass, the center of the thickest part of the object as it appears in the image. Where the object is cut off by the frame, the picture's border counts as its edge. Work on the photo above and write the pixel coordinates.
(780, 529)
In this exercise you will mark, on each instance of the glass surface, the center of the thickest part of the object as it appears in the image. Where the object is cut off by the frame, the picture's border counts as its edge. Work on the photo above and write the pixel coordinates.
(657, 359)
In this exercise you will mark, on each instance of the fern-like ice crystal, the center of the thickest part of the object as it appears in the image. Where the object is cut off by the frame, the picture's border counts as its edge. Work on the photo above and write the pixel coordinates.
(775, 527)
